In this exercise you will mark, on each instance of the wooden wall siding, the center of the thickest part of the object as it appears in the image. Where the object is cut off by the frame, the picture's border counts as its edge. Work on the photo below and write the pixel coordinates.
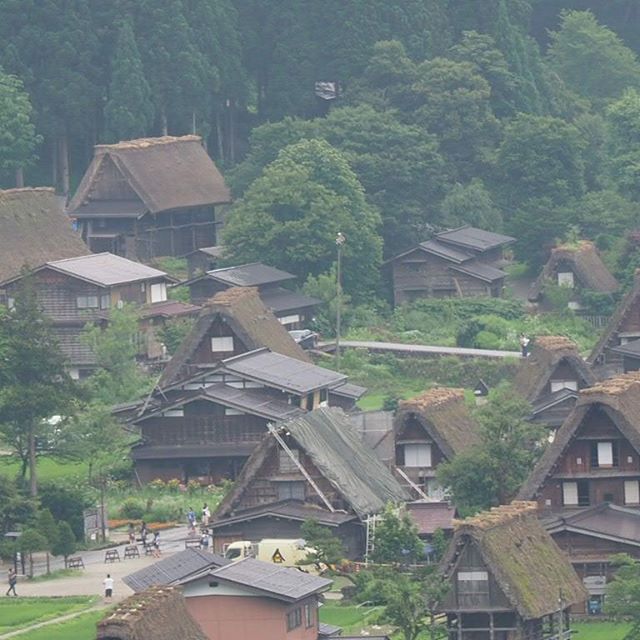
(555, 414)
(471, 560)
(600, 490)
(564, 371)
(204, 289)
(218, 329)
(110, 184)
(203, 430)
(585, 547)
(492, 257)
(262, 490)
(217, 469)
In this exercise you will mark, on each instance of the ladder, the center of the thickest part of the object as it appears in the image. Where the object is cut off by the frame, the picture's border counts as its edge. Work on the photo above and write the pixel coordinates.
(371, 523)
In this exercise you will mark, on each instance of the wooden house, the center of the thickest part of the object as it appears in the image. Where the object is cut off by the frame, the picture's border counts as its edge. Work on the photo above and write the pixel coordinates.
(590, 537)
(75, 292)
(34, 230)
(202, 260)
(149, 197)
(160, 613)
(575, 266)
(294, 310)
(460, 262)
(508, 579)
(238, 600)
(622, 329)
(236, 372)
(595, 456)
(429, 429)
(312, 466)
(551, 377)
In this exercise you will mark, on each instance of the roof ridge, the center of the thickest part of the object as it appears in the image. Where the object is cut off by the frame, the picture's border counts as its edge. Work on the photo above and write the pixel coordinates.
(434, 397)
(89, 255)
(145, 143)
(616, 386)
(20, 190)
(498, 516)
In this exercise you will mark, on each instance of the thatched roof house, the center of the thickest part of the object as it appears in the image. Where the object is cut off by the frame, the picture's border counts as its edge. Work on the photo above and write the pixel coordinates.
(331, 444)
(574, 265)
(504, 560)
(623, 326)
(159, 613)
(161, 173)
(606, 412)
(443, 415)
(34, 230)
(554, 363)
(236, 313)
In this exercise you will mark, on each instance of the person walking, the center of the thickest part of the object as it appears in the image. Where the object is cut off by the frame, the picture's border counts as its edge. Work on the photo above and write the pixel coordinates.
(524, 345)
(13, 580)
(206, 514)
(108, 587)
(156, 544)
(204, 541)
(191, 518)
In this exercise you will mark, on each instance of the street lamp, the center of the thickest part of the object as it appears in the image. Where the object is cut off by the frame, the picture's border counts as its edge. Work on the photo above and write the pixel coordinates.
(340, 240)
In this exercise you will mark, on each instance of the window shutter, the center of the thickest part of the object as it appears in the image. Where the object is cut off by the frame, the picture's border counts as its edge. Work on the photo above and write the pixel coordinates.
(570, 493)
(631, 492)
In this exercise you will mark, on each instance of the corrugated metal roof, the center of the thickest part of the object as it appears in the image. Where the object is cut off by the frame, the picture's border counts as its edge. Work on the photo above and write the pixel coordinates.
(430, 516)
(252, 400)
(249, 275)
(629, 349)
(474, 238)
(444, 251)
(173, 568)
(106, 269)
(279, 582)
(479, 270)
(350, 390)
(279, 300)
(274, 369)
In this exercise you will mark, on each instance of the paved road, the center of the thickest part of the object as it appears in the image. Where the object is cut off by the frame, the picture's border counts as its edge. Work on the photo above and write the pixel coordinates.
(417, 349)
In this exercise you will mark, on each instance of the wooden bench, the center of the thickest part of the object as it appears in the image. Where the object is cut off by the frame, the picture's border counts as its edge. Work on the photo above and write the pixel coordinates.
(75, 562)
(192, 543)
(111, 556)
(148, 548)
(131, 552)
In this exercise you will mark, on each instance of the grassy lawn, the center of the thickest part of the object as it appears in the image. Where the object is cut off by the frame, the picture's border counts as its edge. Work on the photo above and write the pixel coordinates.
(81, 628)
(23, 612)
(599, 630)
(351, 618)
(48, 468)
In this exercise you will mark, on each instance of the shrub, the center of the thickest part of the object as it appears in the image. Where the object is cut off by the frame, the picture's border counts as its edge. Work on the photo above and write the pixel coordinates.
(132, 508)
(157, 484)
(193, 486)
(66, 503)
(165, 511)
(173, 485)
(486, 340)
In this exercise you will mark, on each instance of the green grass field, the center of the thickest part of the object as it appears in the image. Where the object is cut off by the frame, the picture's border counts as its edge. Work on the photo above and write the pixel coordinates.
(351, 618)
(81, 628)
(23, 612)
(48, 468)
(599, 630)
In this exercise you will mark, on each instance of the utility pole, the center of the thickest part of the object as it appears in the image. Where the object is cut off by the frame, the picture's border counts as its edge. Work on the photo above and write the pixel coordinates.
(340, 240)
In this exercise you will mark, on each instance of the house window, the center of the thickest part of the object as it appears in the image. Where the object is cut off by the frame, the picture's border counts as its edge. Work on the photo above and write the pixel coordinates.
(173, 413)
(565, 279)
(631, 492)
(222, 344)
(557, 385)
(232, 412)
(11, 303)
(292, 319)
(105, 301)
(308, 615)
(159, 292)
(285, 463)
(87, 302)
(575, 494)
(473, 588)
(290, 490)
(417, 455)
(294, 619)
(604, 454)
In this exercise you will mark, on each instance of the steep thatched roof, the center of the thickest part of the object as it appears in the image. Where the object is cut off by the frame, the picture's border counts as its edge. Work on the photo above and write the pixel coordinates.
(586, 264)
(529, 567)
(443, 414)
(622, 310)
(547, 353)
(327, 436)
(165, 173)
(159, 613)
(619, 397)
(242, 309)
(34, 230)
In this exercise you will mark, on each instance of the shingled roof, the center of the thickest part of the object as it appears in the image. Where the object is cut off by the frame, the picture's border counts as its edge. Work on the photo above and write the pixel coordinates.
(327, 436)
(165, 173)
(242, 309)
(585, 262)
(159, 613)
(443, 414)
(547, 353)
(529, 567)
(619, 397)
(623, 308)
(34, 230)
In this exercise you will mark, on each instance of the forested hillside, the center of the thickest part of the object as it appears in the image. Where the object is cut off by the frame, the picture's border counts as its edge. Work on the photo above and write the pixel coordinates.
(522, 116)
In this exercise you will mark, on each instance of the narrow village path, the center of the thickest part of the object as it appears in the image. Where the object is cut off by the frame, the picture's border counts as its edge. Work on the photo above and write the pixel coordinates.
(417, 349)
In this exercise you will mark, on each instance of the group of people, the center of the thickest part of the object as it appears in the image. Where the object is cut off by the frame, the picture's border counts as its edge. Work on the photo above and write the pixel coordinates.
(192, 519)
(144, 534)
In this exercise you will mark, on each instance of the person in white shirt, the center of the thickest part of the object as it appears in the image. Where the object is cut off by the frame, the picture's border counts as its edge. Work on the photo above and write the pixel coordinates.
(108, 587)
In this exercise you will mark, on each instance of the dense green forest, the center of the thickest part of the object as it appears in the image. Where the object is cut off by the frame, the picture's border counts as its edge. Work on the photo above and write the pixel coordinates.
(516, 115)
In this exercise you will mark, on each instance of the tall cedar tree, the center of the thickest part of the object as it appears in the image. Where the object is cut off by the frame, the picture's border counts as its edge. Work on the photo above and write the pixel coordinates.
(33, 384)
(129, 110)
(18, 138)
